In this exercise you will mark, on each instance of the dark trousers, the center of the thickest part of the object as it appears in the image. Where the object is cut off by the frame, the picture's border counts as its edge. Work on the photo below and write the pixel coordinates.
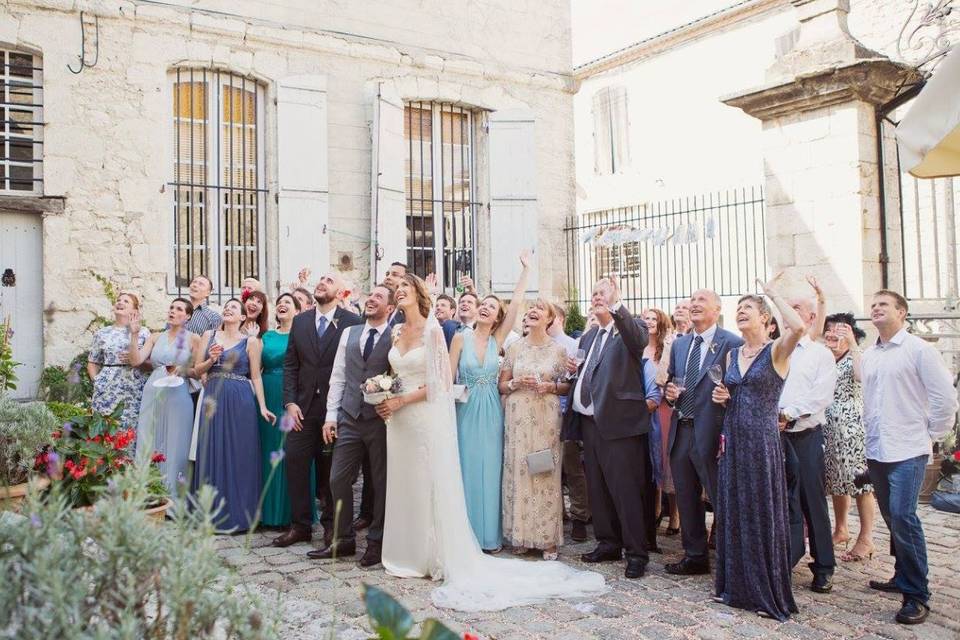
(803, 462)
(359, 440)
(691, 477)
(303, 448)
(897, 487)
(615, 471)
(576, 481)
(366, 492)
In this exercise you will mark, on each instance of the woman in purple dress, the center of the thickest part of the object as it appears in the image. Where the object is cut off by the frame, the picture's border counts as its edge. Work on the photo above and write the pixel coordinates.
(228, 443)
(753, 542)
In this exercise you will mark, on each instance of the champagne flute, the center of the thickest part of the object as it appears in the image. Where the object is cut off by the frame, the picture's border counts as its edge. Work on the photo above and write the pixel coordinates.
(716, 374)
(580, 357)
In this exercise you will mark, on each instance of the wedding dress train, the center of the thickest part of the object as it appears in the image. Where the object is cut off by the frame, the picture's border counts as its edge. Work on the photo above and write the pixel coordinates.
(426, 529)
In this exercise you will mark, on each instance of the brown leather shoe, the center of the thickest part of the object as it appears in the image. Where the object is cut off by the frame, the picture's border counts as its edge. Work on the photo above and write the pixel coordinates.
(371, 556)
(345, 550)
(292, 536)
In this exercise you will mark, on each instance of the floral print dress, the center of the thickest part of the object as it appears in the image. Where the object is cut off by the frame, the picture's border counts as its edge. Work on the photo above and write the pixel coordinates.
(844, 436)
(532, 505)
(117, 382)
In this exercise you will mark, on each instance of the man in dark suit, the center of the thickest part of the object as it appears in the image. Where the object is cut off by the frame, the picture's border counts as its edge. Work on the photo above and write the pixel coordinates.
(695, 425)
(605, 410)
(306, 380)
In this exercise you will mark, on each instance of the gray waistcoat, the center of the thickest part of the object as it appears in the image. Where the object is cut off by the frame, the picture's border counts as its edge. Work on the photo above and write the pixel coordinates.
(356, 371)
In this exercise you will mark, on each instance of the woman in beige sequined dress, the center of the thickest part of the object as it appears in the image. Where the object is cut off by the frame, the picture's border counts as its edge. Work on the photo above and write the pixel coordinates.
(532, 380)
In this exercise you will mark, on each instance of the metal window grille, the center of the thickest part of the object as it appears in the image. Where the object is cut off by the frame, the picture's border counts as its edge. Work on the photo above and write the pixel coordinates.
(218, 183)
(714, 241)
(21, 107)
(441, 206)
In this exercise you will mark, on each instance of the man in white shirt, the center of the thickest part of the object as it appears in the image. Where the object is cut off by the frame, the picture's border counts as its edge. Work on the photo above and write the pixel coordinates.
(807, 392)
(355, 426)
(909, 403)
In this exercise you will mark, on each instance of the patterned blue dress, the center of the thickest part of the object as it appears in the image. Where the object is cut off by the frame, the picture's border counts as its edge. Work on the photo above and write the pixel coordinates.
(117, 382)
(480, 437)
(228, 445)
(753, 532)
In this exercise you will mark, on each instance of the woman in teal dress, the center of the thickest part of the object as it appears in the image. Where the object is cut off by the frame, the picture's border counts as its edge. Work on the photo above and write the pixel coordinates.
(276, 500)
(474, 357)
(166, 410)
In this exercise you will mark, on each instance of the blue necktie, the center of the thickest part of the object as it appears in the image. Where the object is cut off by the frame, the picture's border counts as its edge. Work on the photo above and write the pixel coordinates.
(586, 397)
(322, 326)
(368, 347)
(688, 401)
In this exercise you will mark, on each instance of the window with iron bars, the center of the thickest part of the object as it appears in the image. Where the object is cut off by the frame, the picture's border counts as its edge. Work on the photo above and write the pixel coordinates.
(21, 141)
(218, 184)
(622, 260)
(439, 185)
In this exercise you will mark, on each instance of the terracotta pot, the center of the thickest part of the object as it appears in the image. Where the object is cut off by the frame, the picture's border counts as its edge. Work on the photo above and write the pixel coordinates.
(930, 478)
(159, 512)
(12, 497)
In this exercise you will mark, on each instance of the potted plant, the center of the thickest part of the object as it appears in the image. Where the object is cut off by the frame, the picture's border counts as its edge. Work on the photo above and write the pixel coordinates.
(89, 450)
(24, 430)
(390, 620)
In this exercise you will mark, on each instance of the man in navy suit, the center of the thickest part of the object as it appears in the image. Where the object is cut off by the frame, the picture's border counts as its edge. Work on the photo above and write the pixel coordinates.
(695, 425)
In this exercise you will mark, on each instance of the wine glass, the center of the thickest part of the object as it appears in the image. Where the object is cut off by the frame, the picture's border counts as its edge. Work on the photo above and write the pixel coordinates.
(716, 374)
(580, 357)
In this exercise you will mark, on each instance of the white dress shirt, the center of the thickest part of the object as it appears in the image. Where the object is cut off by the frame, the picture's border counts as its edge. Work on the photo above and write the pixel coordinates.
(338, 376)
(808, 389)
(597, 344)
(328, 315)
(704, 348)
(909, 401)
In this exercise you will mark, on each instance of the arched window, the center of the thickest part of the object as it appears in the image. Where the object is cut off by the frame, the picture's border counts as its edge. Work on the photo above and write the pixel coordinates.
(218, 183)
(21, 106)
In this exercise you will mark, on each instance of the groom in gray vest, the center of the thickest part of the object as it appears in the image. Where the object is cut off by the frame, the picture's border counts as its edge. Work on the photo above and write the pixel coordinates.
(358, 431)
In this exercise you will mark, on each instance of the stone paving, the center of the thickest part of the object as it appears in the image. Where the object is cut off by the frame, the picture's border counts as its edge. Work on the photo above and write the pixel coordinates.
(315, 595)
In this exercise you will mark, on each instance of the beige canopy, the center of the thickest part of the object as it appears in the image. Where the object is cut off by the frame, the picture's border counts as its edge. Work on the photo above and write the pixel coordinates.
(929, 135)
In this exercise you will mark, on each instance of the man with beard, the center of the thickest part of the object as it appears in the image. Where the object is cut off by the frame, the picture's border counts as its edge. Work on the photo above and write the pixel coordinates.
(306, 381)
(360, 434)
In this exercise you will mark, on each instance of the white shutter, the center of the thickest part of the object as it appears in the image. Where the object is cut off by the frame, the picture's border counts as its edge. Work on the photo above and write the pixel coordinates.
(303, 192)
(388, 219)
(513, 196)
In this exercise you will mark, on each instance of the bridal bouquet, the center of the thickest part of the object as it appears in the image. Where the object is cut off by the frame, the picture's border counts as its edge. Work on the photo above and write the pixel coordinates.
(380, 388)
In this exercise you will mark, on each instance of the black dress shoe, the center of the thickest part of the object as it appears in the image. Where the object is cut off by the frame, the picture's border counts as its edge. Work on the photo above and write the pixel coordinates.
(822, 584)
(371, 556)
(339, 551)
(912, 612)
(361, 523)
(578, 532)
(602, 555)
(636, 567)
(890, 586)
(653, 548)
(688, 567)
(293, 536)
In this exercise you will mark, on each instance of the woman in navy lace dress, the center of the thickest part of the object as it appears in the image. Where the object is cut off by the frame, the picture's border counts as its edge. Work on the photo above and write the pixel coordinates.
(753, 542)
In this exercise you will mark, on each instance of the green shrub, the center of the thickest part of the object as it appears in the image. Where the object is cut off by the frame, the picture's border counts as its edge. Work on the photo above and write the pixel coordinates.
(65, 410)
(575, 320)
(24, 430)
(112, 573)
(8, 377)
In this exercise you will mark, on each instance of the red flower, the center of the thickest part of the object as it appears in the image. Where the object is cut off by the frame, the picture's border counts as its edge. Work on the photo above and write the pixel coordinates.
(956, 455)
(470, 636)
(78, 473)
(158, 457)
(55, 435)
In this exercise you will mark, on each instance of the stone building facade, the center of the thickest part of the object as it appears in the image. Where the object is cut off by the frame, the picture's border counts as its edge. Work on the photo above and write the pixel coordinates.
(239, 137)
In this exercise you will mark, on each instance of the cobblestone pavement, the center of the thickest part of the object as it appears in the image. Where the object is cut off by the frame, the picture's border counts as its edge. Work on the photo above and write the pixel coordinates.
(313, 595)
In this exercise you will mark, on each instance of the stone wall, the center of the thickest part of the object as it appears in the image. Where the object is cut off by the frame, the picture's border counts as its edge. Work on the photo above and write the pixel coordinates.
(108, 129)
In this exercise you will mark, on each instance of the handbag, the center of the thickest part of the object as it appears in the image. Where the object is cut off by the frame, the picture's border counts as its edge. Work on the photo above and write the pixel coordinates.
(540, 462)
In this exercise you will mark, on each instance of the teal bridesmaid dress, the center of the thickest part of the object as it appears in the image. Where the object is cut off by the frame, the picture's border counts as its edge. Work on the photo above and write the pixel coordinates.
(480, 436)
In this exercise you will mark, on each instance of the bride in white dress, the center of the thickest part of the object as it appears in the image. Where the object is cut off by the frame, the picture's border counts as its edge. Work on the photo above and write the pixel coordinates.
(426, 530)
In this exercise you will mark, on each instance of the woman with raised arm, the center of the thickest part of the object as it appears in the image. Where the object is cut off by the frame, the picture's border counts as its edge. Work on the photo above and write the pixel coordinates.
(474, 356)
(426, 529)
(753, 536)
(228, 440)
(166, 410)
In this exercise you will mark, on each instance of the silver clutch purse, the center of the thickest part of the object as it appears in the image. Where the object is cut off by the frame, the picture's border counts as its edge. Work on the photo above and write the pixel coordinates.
(540, 462)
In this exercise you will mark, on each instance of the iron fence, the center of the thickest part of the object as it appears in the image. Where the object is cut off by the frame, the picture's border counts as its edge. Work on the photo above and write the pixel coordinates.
(663, 251)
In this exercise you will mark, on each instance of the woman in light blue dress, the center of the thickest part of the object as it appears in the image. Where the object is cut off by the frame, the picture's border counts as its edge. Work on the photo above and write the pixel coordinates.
(474, 357)
(166, 412)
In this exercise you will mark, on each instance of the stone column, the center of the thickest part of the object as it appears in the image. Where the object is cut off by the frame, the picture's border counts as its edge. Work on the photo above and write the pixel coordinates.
(818, 109)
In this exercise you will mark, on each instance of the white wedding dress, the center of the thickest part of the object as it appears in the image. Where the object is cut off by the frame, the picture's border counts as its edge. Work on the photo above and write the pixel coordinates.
(426, 530)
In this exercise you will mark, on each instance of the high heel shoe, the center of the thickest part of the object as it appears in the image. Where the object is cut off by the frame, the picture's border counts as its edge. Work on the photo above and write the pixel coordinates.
(853, 556)
(550, 555)
(672, 531)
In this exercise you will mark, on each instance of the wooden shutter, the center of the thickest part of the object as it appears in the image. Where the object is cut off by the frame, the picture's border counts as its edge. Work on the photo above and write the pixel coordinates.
(303, 196)
(388, 218)
(513, 196)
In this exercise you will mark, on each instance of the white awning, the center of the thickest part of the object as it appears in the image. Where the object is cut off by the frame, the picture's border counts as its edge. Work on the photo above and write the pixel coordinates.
(929, 135)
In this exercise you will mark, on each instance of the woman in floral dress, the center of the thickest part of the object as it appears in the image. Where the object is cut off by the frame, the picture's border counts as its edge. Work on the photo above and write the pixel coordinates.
(844, 438)
(531, 379)
(114, 380)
